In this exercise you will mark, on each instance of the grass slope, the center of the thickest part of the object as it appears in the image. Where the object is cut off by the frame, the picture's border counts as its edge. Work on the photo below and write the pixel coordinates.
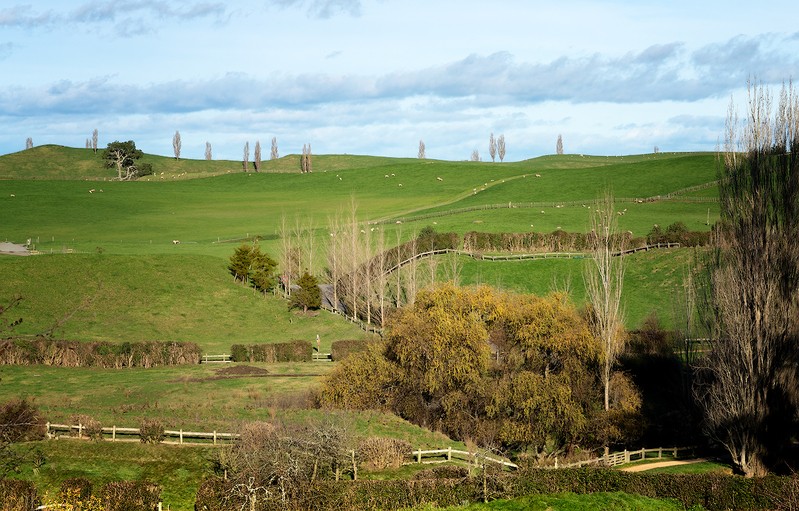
(615, 501)
(181, 297)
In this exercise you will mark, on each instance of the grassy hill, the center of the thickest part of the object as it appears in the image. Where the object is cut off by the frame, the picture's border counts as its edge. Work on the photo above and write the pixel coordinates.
(210, 206)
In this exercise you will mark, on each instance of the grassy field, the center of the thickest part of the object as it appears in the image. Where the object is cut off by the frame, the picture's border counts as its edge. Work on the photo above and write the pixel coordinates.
(127, 281)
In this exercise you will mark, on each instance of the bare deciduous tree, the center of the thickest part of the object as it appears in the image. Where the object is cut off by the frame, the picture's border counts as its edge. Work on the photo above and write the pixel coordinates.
(422, 154)
(475, 155)
(273, 155)
(95, 137)
(257, 156)
(246, 159)
(492, 147)
(208, 154)
(604, 278)
(305, 159)
(88, 144)
(559, 145)
(501, 148)
(176, 144)
(28, 143)
(750, 298)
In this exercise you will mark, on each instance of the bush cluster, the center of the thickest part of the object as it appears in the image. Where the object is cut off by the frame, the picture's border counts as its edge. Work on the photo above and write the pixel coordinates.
(292, 351)
(104, 354)
(20, 421)
(379, 453)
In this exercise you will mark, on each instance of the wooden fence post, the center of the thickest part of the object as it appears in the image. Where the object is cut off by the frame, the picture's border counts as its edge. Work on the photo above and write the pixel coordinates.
(556, 462)
(626, 456)
(419, 455)
(114, 433)
(660, 452)
(214, 437)
(80, 429)
(607, 455)
(47, 431)
(181, 435)
(449, 453)
(354, 466)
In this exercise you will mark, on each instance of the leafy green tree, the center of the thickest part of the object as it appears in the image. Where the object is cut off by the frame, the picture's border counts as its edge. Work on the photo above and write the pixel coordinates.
(124, 157)
(253, 267)
(308, 296)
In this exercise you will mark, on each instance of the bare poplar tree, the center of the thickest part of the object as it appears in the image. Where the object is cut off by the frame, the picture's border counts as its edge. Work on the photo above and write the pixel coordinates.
(246, 160)
(208, 155)
(257, 156)
(475, 155)
(559, 145)
(28, 143)
(421, 155)
(176, 144)
(604, 279)
(273, 155)
(308, 157)
(492, 147)
(95, 137)
(501, 148)
(88, 144)
(750, 298)
(304, 159)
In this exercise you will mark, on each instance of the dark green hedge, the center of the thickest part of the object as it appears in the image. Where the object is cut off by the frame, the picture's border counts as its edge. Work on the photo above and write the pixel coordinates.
(292, 351)
(21, 351)
(715, 492)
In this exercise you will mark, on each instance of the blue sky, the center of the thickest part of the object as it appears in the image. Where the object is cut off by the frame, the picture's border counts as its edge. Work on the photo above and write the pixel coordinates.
(376, 76)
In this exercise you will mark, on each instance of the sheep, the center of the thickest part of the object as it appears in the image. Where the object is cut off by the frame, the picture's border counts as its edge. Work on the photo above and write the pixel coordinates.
(176, 242)
(13, 195)
(439, 179)
(538, 175)
(91, 191)
(400, 184)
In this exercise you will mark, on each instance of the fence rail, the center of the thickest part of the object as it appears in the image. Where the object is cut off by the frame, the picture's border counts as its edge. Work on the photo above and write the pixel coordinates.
(121, 434)
(432, 456)
(216, 359)
(448, 454)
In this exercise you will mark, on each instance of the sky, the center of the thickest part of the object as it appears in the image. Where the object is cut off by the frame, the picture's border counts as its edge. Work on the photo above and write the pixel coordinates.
(377, 76)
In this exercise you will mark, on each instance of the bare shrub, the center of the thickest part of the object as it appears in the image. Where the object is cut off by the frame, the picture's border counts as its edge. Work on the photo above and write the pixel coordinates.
(379, 453)
(90, 427)
(151, 431)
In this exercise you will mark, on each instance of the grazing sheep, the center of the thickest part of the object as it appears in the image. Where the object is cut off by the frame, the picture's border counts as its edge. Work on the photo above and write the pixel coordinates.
(400, 184)
(176, 242)
(13, 195)
(538, 175)
(439, 179)
(399, 221)
(91, 191)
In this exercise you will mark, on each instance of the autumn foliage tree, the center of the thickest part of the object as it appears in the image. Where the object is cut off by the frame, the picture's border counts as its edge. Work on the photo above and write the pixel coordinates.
(514, 370)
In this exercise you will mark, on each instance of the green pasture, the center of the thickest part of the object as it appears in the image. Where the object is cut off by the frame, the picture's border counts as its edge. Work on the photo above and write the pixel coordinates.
(179, 470)
(180, 297)
(652, 283)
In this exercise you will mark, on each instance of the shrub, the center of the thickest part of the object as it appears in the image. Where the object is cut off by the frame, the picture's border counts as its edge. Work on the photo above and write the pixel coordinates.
(75, 488)
(151, 431)
(378, 453)
(18, 495)
(20, 421)
(130, 496)
(91, 427)
(292, 351)
(443, 472)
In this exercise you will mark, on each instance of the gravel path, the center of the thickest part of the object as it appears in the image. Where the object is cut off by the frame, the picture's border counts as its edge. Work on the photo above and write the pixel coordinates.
(660, 464)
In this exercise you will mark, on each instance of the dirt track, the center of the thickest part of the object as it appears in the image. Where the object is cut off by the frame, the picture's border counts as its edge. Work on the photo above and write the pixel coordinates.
(660, 464)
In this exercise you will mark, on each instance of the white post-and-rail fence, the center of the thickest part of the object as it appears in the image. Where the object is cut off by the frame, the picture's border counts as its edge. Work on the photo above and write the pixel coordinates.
(119, 434)
(448, 454)
(608, 460)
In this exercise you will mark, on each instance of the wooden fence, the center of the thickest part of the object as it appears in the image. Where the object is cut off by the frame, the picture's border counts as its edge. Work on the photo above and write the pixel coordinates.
(449, 454)
(120, 434)
(215, 359)
(608, 460)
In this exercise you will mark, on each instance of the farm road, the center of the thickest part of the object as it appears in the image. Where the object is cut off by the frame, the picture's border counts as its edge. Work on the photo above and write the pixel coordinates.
(660, 464)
